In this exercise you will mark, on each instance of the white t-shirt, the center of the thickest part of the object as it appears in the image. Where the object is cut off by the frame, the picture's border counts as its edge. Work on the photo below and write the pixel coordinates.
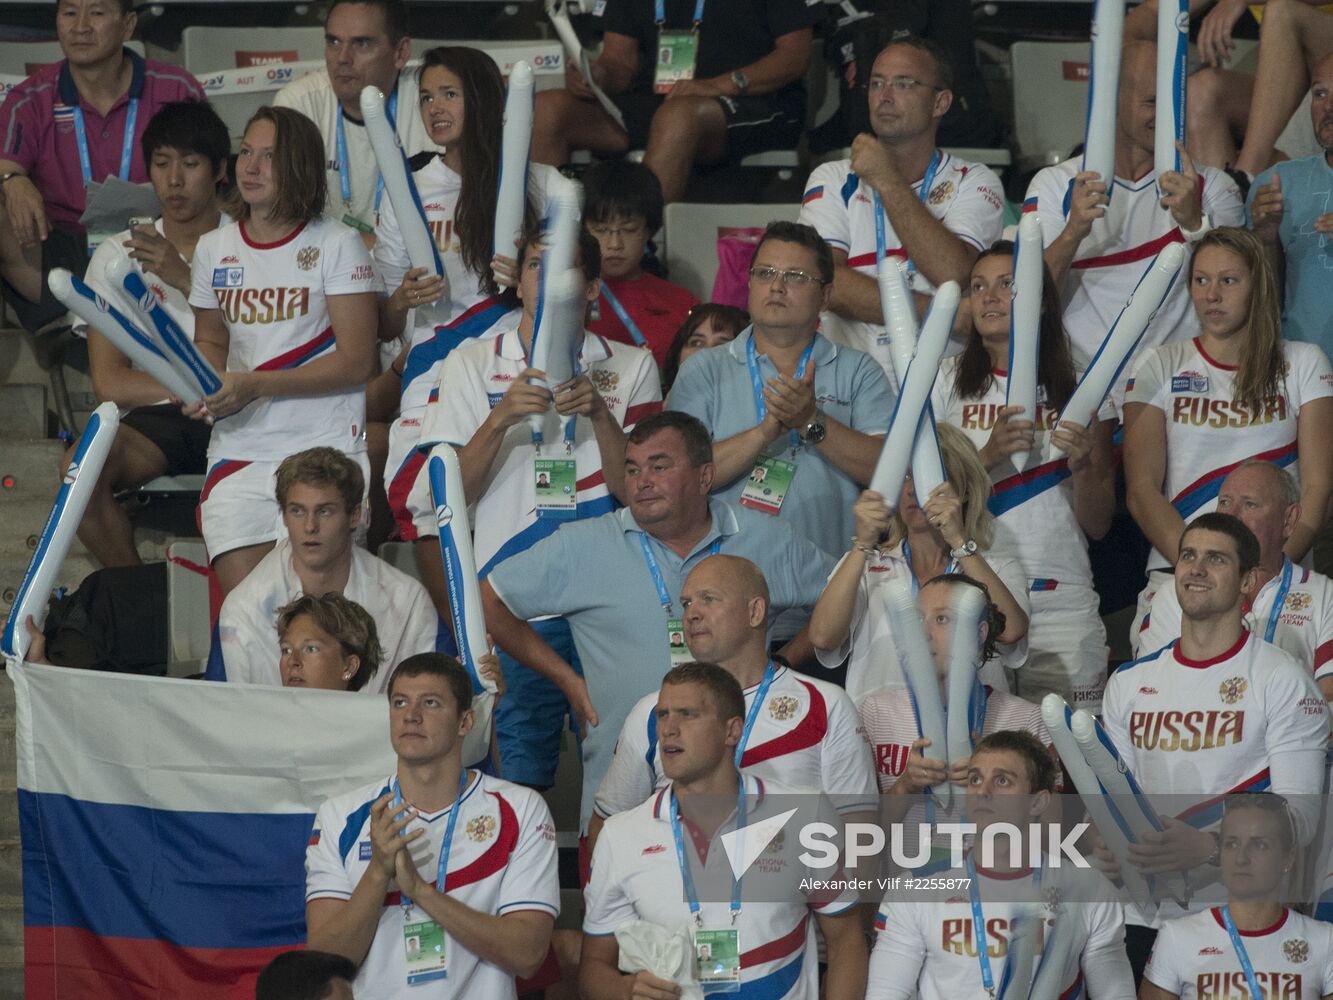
(1207, 434)
(874, 662)
(966, 197)
(929, 944)
(502, 860)
(312, 95)
(636, 876)
(807, 736)
(1120, 248)
(1030, 507)
(1304, 625)
(1193, 958)
(273, 299)
(405, 619)
(472, 381)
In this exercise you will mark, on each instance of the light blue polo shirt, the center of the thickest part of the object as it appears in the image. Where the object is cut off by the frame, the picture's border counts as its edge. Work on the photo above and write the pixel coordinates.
(593, 572)
(1307, 193)
(714, 385)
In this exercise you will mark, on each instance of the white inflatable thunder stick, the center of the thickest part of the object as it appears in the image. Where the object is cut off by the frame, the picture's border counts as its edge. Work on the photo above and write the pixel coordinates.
(53, 545)
(557, 333)
(1123, 336)
(964, 660)
(1025, 325)
(918, 667)
(1108, 29)
(1173, 24)
(515, 141)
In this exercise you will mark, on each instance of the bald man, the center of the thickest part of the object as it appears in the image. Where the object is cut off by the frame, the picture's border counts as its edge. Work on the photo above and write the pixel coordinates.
(1101, 234)
(800, 732)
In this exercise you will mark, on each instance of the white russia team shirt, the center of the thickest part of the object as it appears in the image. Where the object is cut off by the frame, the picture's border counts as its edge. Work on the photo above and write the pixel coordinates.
(891, 727)
(502, 860)
(930, 945)
(636, 876)
(273, 298)
(873, 663)
(1120, 248)
(967, 198)
(806, 736)
(312, 95)
(1304, 624)
(1030, 507)
(472, 381)
(405, 619)
(1207, 434)
(1193, 958)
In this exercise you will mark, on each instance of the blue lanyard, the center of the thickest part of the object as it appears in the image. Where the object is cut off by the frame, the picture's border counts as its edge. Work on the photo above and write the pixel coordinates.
(757, 381)
(127, 143)
(660, 12)
(1246, 965)
(1279, 600)
(630, 325)
(770, 672)
(442, 869)
(952, 567)
(344, 170)
(979, 924)
(662, 594)
(881, 241)
(685, 876)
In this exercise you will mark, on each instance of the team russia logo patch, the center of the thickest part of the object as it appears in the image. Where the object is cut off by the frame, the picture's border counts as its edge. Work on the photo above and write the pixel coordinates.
(1233, 689)
(1189, 382)
(603, 380)
(307, 258)
(1297, 950)
(1298, 601)
(782, 708)
(939, 194)
(481, 829)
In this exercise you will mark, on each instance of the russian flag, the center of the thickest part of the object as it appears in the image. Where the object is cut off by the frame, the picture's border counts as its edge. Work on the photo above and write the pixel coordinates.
(164, 825)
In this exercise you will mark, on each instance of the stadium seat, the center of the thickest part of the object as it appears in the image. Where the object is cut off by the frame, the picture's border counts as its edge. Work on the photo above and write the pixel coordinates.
(25, 58)
(188, 635)
(205, 48)
(401, 556)
(692, 232)
(1050, 99)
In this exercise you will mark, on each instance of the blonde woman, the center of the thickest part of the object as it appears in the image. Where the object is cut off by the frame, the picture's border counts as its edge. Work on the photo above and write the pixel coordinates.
(950, 533)
(1196, 409)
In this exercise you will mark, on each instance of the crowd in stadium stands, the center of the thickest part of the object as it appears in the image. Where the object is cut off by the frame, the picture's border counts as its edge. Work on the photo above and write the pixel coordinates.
(678, 551)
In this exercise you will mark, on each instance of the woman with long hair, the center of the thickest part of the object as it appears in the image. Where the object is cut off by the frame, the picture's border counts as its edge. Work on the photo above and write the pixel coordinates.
(1066, 498)
(1255, 941)
(1196, 409)
(284, 307)
(951, 532)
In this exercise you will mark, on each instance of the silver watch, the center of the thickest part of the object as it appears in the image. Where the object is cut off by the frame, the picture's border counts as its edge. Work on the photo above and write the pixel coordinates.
(968, 548)
(741, 81)
(814, 431)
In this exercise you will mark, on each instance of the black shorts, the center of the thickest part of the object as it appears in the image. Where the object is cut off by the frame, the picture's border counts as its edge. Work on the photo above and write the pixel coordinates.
(182, 440)
(754, 124)
(62, 248)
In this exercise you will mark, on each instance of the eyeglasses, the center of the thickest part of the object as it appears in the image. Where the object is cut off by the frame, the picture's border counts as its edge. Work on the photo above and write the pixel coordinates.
(901, 84)
(616, 232)
(768, 275)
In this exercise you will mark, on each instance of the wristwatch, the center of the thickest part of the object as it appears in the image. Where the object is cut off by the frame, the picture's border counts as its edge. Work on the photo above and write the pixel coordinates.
(741, 81)
(6, 178)
(968, 548)
(813, 433)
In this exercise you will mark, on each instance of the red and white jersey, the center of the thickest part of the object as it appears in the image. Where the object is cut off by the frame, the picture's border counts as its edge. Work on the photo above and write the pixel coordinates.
(1207, 434)
(1304, 626)
(1193, 958)
(502, 860)
(636, 876)
(439, 187)
(873, 664)
(1114, 256)
(966, 197)
(1032, 506)
(891, 726)
(807, 736)
(472, 381)
(273, 299)
(405, 619)
(927, 947)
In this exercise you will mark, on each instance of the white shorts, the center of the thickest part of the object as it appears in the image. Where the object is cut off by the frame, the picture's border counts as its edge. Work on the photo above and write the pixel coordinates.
(238, 505)
(1066, 647)
(405, 480)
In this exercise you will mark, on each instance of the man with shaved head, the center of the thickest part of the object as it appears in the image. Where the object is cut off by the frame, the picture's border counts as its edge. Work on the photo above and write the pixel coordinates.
(800, 732)
(1101, 233)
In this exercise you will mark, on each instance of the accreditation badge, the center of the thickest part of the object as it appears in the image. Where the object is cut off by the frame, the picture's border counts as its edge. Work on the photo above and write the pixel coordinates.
(555, 481)
(676, 54)
(426, 948)
(717, 960)
(353, 222)
(680, 653)
(767, 487)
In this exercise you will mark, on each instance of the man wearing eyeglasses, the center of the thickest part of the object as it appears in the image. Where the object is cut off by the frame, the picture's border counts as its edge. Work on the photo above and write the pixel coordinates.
(783, 398)
(900, 196)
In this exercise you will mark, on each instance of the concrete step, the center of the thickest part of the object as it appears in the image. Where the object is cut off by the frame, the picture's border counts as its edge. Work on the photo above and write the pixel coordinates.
(23, 521)
(17, 362)
(75, 568)
(22, 411)
(30, 469)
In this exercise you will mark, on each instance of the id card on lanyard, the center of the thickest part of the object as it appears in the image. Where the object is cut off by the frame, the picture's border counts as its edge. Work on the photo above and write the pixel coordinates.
(771, 478)
(881, 239)
(677, 51)
(345, 170)
(675, 627)
(95, 238)
(717, 950)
